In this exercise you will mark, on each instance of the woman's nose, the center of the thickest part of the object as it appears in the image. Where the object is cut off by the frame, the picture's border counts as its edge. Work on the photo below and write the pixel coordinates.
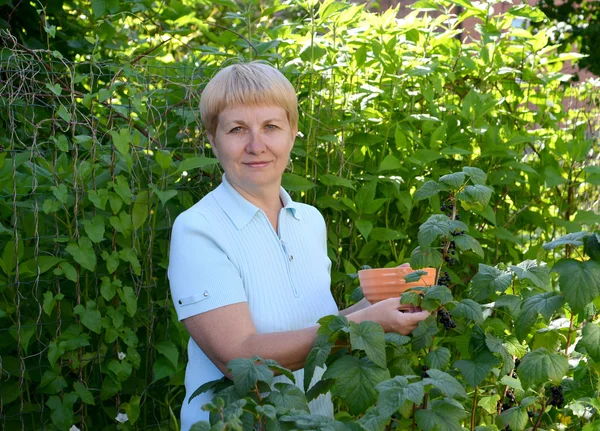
(255, 144)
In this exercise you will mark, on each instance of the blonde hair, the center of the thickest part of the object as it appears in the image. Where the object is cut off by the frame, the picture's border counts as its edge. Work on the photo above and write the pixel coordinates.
(251, 84)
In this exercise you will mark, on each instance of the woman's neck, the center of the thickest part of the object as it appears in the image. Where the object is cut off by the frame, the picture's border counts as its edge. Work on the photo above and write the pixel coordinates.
(266, 198)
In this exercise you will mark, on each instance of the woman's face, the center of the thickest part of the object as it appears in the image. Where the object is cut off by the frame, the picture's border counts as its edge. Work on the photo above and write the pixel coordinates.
(253, 144)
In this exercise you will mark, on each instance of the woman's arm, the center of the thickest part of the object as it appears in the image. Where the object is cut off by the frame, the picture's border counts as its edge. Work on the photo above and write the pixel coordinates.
(360, 305)
(228, 333)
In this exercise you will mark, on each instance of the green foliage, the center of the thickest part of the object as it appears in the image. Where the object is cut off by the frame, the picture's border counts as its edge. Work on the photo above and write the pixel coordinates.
(101, 147)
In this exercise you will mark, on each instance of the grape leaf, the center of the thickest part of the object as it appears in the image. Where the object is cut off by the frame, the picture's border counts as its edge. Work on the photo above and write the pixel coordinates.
(355, 381)
(395, 392)
(539, 366)
(487, 281)
(369, 336)
(579, 281)
(445, 383)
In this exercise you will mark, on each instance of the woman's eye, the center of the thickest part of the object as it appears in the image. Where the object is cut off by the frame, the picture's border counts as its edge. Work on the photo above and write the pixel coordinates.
(271, 127)
(235, 130)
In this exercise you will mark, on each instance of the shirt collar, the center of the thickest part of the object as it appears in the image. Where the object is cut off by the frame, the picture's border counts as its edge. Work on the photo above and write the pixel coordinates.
(240, 210)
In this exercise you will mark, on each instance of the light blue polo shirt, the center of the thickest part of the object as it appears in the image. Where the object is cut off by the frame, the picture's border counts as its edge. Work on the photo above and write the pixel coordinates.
(223, 251)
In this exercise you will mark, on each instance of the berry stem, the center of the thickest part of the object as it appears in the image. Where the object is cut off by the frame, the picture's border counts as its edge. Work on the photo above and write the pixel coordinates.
(569, 335)
(539, 418)
(474, 409)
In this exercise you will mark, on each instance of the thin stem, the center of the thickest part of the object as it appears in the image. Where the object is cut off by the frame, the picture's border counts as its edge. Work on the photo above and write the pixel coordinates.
(473, 409)
(569, 334)
(539, 418)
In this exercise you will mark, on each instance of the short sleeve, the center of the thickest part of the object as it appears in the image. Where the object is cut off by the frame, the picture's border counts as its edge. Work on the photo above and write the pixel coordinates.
(201, 275)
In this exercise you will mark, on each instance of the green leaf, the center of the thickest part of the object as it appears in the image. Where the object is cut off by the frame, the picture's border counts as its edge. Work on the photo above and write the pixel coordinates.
(64, 114)
(476, 370)
(469, 309)
(516, 418)
(90, 316)
(430, 188)
(84, 393)
(390, 163)
(121, 140)
(355, 381)
(61, 193)
(69, 271)
(98, 198)
(425, 258)
(489, 404)
(487, 281)
(94, 228)
(539, 366)
(141, 209)
(467, 242)
(316, 358)
(422, 336)
(437, 225)
(529, 12)
(50, 301)
(478, 194)
(247, 372)
(394, 393)
(165, 195)
(511, 382)
(369, 337)
(288, 397)
(592, 246)
(414, 276)
(545, 304)
(575, 239)
(132, 408)
(54, 88)
(61, 411)
(530, 270)
(83, 253)
(129, 255)
(164, 159)
(335, 181)
(579, 281)
(477, 176)
(127, 295)
(191, 163)
(445, 383)
(364, 227)
(590, 340)
(396, 339)
(162, 368)
(169, 350)
(112, 261)
(454, 180)
(443, 415)
(438, 358)
(296, 183)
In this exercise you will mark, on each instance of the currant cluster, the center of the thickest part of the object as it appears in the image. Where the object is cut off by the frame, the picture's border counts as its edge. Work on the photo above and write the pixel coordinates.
(424, 374)
(557, 398)
(458, 232)
(446, 319)
(510, 394)
(450, 260)
(444, 279)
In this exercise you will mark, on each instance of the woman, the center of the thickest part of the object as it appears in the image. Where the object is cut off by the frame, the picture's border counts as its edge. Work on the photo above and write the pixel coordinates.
(248, 269)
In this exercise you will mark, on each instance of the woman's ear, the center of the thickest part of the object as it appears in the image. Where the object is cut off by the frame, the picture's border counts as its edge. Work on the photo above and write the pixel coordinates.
(211, 139)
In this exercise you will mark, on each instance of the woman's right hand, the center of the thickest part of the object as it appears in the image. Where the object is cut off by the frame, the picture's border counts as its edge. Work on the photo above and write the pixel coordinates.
(393, 316)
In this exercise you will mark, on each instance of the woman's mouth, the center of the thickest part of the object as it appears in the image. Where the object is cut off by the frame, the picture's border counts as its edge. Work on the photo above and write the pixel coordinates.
(257, 164)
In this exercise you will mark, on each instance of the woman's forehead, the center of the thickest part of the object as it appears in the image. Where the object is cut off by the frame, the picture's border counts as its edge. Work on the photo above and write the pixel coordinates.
(252, 113)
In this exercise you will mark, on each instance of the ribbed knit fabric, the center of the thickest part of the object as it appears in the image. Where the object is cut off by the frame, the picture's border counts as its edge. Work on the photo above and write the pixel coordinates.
(223, 251)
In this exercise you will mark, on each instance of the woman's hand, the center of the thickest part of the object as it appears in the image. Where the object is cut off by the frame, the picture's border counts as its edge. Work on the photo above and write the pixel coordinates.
(393, 316)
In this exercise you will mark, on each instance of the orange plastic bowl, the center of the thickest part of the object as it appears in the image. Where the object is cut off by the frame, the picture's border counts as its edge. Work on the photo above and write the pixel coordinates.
(382, 283)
